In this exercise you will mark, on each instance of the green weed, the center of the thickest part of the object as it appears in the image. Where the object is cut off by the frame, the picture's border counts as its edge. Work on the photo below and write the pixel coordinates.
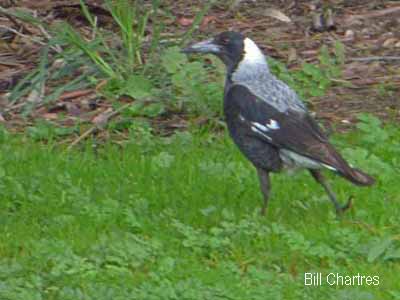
(125, 62)
(178, 218)
(313, 80)
(194, 87)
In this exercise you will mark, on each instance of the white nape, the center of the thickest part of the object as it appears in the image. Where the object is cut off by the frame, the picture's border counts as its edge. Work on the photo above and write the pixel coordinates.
(252, 65)
(252, 54)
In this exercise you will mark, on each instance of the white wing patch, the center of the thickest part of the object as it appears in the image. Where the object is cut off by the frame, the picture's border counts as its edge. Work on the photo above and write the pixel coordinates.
(329, 167)
(263, 129)
(256, 130)
(273, 125)
(260, 127)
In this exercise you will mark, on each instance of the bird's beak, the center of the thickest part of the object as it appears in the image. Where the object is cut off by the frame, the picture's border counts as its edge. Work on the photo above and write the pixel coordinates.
(207, 46)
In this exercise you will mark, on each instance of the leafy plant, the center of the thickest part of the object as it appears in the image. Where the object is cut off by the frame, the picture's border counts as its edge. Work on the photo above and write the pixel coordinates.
(95, 58)
(123, 69)
(197, 89)
(115, 63)
(371, 129)
(312, 80)
(178, 218)
(44, 130)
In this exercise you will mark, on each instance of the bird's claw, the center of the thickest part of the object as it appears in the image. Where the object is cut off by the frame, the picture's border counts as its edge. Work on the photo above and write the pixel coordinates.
(343, 208)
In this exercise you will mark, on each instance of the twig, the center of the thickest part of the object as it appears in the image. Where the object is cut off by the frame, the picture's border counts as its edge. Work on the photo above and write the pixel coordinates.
(22, 26)
(82, 137)
(375, 14)
(23, 35)
(369, 227)
(75, 94)
(10, 63)
(56, 48)
(14, 107)
(374, 58)
(94, 32)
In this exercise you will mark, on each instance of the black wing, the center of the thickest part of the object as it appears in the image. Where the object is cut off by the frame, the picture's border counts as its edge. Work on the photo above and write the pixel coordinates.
(291, 130)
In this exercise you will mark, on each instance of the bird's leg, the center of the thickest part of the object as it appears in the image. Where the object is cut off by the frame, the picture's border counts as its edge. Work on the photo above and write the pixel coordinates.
(263, 177)
(321, 180)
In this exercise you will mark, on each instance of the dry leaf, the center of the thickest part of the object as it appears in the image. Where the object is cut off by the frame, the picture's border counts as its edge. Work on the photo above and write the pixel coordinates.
(73, 109)
(185, 21)
(349, 34)
(292, 55)
(37, 94)
(50, 116)
(102, 119)
(276, 14)
(389, 42)
(206, 21)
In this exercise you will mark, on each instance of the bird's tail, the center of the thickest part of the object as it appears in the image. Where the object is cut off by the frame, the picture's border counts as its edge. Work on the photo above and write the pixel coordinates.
(341, 166)
(357, 177)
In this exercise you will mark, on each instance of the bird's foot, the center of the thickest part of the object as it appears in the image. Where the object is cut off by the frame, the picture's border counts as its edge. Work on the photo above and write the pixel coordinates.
(340, 209)
(263, 211)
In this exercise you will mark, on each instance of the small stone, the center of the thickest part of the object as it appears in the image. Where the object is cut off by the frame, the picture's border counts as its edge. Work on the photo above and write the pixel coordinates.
(349, 34)
(390, 42)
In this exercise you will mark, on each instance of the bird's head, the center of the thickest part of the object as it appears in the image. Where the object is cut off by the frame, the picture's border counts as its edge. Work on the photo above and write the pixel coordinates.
(231, 47)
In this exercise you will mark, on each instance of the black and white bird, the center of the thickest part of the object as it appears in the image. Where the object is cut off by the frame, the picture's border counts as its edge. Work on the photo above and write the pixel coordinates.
(267, 120)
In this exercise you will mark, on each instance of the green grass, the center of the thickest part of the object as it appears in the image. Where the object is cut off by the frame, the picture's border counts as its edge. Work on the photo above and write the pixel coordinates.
(178, 218)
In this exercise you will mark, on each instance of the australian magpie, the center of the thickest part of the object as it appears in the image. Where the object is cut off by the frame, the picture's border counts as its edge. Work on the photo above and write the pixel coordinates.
(267, 120)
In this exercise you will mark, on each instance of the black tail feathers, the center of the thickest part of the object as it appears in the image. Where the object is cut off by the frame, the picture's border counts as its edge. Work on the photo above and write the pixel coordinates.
(358, 177)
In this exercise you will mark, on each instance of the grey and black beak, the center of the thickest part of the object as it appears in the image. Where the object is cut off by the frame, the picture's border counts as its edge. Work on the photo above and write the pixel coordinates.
(207, 46)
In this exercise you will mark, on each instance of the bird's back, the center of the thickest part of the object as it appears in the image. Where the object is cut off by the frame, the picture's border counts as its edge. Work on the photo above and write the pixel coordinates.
(267, 87)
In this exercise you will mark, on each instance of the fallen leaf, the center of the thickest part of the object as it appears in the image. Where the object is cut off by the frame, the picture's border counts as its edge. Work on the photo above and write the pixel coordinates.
(276, 14)
(389, 42)
(102, 119)
(73, 109)
(75, 94)
(37, 93)
(185, 21)
(206, 21)
(50, 116)
(349, 34)
(292, 55)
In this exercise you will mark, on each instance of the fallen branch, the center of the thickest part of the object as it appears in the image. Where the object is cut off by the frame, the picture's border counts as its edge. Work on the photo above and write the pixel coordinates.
(11, 17)
(23, 35)
(75, 94)
(82, 137)
(374, 14)
(374, 58)
(15, 22)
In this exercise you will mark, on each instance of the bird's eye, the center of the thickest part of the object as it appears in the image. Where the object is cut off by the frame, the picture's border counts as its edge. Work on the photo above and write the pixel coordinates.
(224, 41)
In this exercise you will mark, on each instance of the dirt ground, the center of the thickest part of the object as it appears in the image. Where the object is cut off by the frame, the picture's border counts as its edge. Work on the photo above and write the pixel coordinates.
(290, 31)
